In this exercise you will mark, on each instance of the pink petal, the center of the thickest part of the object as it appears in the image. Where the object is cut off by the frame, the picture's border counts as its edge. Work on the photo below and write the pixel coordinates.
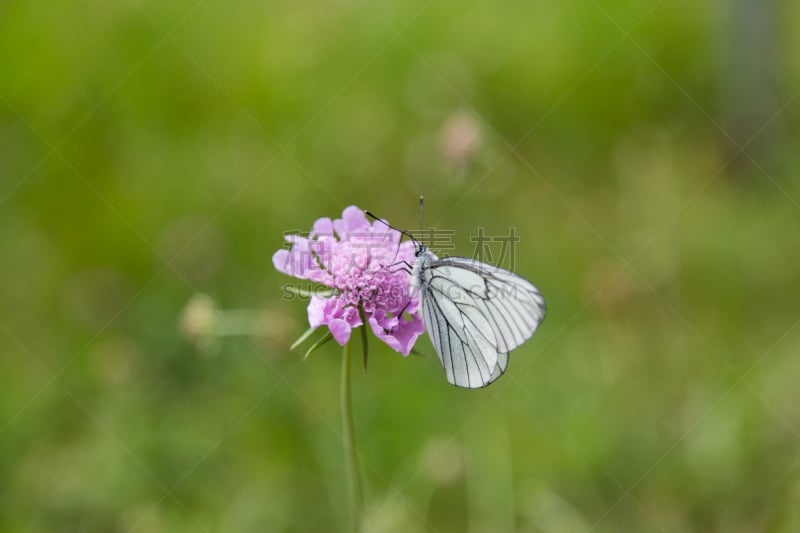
(297, 261)
(383, 320)
(340, 330)
(338, 307)
(408, 332)
(406, 252)
(322, 228)
(403, 337)
(353, 221)
(321, 276)
(282, 261)
(294, 238)
(352, 317)
(382, 230)
(319, 310)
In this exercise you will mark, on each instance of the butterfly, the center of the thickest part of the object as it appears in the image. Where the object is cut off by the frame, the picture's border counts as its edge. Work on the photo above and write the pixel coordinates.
(474, 313)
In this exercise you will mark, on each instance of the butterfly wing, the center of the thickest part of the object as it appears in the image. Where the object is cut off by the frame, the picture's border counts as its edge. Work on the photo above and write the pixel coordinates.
(475, 314)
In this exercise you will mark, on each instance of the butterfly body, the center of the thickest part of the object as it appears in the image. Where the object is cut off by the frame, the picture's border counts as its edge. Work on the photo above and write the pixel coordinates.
(424, 258)
(475, 314)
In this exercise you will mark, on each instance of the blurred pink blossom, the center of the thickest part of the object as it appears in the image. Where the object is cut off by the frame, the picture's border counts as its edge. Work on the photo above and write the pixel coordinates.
(460, 139)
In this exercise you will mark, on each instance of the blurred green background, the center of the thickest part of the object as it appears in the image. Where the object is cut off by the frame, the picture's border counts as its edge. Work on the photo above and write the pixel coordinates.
(645, 152)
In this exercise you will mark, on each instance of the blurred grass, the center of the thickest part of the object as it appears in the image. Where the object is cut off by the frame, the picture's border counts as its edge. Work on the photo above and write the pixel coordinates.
(153, 150)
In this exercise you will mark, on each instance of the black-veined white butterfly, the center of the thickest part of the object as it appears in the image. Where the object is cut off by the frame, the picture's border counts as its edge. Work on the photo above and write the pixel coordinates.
(474, 313)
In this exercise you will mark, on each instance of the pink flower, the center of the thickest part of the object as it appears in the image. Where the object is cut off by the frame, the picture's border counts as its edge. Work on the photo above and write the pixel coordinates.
(353, 256)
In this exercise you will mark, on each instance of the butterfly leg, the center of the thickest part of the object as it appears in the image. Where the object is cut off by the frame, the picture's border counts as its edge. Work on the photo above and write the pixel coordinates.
(403, 310)
(406, 267)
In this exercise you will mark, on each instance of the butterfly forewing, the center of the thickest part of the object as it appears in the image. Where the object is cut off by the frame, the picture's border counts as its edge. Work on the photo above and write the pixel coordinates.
(511, 303)
(475, 314)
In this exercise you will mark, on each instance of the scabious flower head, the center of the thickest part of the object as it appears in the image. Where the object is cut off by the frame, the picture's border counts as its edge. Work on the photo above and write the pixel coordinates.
(352, 256)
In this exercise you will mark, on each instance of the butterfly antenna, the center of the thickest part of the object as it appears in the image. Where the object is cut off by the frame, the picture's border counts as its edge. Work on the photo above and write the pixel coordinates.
(407, 234)
(421, 227)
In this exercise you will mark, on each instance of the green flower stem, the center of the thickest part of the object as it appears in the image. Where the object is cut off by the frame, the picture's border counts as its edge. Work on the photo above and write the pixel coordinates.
(364, 342)
(350, 448)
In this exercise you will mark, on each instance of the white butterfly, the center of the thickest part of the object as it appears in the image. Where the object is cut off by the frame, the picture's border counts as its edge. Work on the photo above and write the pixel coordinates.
(475, 314)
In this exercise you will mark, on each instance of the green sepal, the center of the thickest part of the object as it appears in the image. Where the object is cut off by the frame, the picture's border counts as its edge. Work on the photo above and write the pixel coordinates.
(302, 338)
(416, 352)
(325, 338)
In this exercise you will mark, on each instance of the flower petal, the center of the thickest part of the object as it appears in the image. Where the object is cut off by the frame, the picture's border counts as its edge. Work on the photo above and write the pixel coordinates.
(353, 221)
(282, 261)
(323, 227)
(402, 337)
(408, 332)
(383, 320)
(340, 330)
(407, 251)
(319, 310)
(297, 261)
(352, 316)
(387, 236)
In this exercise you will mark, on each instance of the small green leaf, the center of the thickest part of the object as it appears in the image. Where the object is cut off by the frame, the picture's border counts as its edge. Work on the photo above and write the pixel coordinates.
(325, 338)
(302, 338)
